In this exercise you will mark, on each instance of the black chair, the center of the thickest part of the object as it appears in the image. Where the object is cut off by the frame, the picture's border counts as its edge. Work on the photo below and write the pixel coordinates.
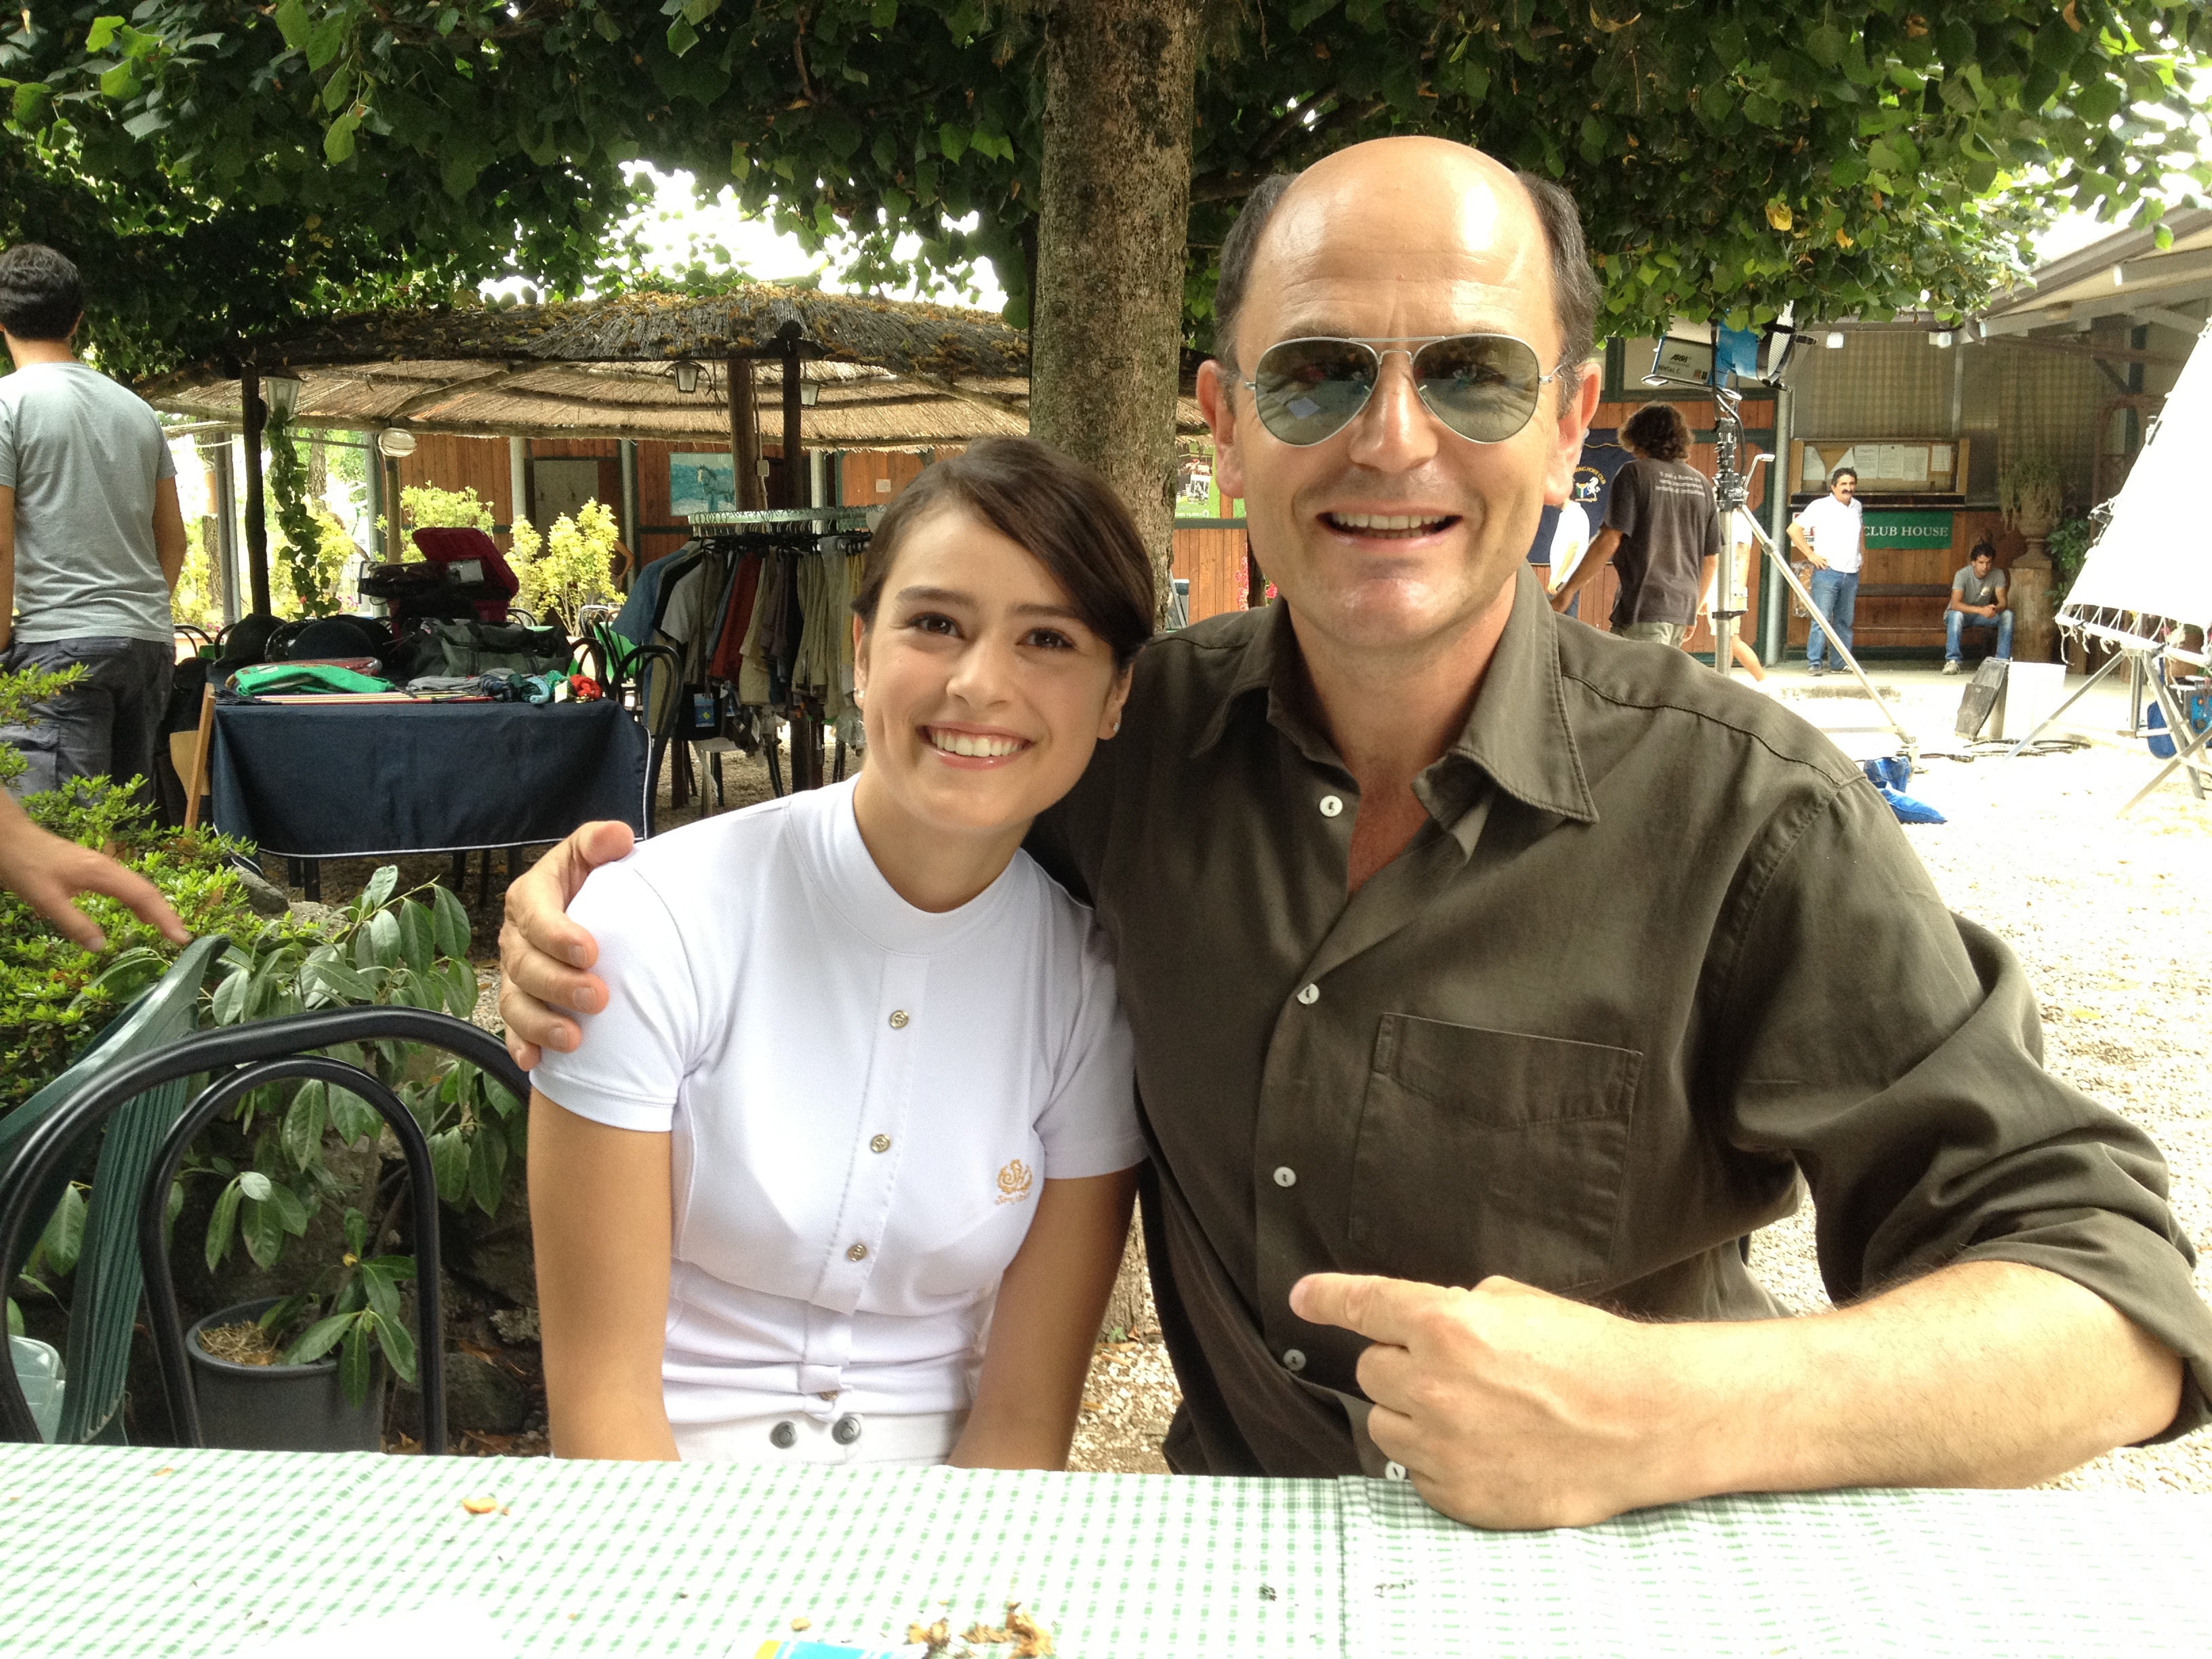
(238, 1059)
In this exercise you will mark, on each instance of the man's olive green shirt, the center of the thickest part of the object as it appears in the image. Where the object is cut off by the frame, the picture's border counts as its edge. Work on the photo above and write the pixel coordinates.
(1659, 949)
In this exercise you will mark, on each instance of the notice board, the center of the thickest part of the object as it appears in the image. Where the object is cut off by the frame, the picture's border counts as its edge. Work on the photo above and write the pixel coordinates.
(1887, 467)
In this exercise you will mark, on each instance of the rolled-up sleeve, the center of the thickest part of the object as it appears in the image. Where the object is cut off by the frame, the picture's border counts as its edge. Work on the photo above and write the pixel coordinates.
(1895, 1050)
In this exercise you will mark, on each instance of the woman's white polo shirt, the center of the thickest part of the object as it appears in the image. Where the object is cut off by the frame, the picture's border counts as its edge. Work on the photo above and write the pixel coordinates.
(864, 1100)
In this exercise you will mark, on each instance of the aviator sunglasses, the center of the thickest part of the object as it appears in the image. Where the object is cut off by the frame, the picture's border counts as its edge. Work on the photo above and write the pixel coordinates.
(1483, 386)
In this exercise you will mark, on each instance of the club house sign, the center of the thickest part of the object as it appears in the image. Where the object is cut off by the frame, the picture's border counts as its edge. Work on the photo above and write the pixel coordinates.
(1906, 527)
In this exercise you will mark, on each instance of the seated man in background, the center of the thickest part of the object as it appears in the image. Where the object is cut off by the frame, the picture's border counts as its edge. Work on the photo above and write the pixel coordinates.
(1981, 597)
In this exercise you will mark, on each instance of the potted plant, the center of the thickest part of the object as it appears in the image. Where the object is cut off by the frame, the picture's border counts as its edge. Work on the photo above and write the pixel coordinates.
(299, 1370)
(2032, 494)
(264, 1372)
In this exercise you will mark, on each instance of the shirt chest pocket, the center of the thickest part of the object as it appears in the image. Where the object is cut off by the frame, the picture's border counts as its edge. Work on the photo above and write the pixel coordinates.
(1483, 1153)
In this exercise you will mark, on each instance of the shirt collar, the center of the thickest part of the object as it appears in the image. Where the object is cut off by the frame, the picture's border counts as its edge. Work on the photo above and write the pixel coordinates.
(1517, 732)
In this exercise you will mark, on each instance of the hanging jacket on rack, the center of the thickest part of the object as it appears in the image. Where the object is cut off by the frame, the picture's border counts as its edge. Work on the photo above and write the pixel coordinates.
(728, 662)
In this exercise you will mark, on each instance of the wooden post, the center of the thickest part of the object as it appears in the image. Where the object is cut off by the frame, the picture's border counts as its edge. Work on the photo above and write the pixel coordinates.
(224, 547)
(744, 437)
(197, 783)
(257, 526)
(395, 539)
(795, 441)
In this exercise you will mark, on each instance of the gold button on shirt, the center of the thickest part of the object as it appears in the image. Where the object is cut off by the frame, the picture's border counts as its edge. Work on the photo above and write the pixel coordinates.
(1658, 947)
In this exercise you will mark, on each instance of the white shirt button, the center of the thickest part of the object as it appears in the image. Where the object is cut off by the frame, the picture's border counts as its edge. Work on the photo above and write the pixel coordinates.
(1286, 1175)
(898, 1019)
(858, 1253)
(1294, 1359)
(1394, 1471)
(1310, 994)
(880, 1143)
(1331, 806)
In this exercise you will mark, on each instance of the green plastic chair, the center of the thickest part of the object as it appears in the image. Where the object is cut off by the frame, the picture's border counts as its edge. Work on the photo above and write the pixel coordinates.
(105, 1303)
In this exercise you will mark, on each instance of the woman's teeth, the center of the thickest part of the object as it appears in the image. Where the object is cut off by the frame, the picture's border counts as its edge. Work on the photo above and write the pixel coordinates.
(1386, 523)
(961, 743)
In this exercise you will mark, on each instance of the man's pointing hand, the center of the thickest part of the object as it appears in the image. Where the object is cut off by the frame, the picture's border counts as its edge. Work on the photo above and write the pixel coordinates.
(1509, 1407)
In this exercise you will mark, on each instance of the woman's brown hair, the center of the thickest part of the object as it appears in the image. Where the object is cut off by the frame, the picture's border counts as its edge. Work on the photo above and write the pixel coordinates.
(1064, 513)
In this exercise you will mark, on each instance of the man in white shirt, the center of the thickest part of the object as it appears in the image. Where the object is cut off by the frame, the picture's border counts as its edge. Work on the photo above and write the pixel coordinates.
(1570, 541)
(1828, 532)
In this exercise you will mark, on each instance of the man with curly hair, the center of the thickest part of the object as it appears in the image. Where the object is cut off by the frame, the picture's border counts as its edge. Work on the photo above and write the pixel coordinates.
(1662, 534)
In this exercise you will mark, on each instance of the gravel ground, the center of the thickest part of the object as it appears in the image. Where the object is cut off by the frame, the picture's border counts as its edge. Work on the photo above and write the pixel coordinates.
(2107, 913)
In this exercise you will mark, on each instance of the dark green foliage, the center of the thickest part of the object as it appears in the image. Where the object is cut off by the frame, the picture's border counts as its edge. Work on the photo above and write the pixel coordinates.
(55, 995)
(231, 164)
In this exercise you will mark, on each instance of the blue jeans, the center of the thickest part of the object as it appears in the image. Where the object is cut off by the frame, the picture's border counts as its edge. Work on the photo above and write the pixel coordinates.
(1955, 621)
(1835, 596)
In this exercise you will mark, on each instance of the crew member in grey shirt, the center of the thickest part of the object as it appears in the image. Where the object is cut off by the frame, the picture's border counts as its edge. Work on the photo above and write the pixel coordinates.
(91, 537)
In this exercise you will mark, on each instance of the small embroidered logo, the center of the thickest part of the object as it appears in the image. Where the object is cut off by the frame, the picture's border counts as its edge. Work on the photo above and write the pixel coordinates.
(1014, 1182)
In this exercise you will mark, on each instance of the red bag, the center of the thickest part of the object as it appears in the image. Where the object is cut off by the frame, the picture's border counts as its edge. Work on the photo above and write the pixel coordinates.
(449, 545)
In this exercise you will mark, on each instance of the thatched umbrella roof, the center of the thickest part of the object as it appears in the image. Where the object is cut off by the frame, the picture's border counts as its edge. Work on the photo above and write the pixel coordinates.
(889, 374)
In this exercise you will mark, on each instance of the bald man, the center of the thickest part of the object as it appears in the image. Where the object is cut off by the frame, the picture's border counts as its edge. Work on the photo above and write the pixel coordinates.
(1484, 975)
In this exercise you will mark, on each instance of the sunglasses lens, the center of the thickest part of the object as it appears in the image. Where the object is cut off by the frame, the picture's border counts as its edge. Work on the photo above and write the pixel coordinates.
(1483, 386)
(1308, 389)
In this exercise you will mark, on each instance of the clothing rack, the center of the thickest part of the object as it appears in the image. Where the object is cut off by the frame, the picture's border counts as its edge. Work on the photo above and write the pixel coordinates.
(766, 643)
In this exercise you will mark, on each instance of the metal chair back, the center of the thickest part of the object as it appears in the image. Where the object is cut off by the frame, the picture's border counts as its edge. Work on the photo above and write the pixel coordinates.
(104, 1302)
(239, 1058)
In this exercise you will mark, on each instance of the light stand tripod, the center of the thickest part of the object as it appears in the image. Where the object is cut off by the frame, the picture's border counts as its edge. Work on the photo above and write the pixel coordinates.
(1732, 496)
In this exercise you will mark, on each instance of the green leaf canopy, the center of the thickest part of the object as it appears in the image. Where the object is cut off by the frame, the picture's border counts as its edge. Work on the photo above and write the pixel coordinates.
(225, 168)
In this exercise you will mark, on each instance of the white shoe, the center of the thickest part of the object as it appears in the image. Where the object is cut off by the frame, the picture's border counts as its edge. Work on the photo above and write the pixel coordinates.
(1951, 666)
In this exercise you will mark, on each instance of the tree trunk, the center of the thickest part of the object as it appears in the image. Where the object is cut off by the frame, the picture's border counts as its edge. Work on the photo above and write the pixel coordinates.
(1105, 345)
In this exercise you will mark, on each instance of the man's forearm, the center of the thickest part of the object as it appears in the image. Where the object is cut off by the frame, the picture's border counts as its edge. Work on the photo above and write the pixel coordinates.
(1982, 1374)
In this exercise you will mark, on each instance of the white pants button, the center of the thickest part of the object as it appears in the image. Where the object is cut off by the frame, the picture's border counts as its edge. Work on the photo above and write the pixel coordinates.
(1294, 1359)
(1394, 1471)
(1310, 994)
(1286, 1176)
(1331, 806)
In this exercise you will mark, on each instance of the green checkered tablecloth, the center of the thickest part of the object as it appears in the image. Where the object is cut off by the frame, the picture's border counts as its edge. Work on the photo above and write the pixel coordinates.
(1855, 1573)
(101, 1553)
(123, 1551)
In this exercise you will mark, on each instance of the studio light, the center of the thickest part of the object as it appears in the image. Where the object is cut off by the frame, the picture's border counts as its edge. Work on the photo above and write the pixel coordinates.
(687, 376)
(1835, 340)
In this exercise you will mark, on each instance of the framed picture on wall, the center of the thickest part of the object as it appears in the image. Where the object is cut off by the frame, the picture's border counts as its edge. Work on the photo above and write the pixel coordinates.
(701, 482)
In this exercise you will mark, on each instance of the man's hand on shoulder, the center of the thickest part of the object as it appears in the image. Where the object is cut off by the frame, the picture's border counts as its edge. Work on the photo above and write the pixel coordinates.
(543, 956)
(1509, 1406)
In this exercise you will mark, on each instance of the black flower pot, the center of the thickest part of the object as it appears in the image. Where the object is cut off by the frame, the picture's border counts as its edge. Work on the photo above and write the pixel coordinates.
(278, 1407)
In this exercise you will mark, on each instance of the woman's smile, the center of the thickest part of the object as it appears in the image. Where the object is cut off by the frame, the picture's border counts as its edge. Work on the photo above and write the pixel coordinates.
(967, 746)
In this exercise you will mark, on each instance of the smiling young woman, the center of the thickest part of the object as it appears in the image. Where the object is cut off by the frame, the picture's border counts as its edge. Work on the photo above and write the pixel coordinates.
(864, 1091)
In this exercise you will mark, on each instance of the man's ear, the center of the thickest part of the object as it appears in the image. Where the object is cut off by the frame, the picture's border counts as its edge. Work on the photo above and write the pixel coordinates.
(1216, 401)
(1578, 402)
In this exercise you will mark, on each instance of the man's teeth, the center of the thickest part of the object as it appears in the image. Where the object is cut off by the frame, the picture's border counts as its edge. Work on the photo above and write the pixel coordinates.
(960, 742)
(1383, 521)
